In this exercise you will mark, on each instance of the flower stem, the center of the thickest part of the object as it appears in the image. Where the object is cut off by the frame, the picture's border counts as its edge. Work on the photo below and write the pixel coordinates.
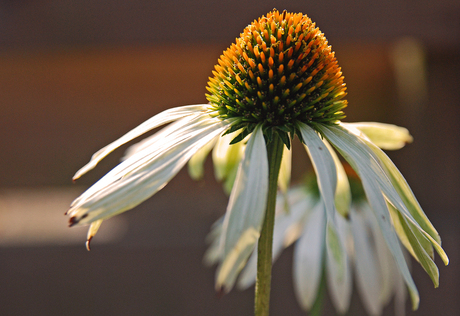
(264, 254)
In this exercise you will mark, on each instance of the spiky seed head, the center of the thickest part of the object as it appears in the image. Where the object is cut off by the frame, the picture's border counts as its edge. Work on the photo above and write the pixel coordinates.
(280, 71)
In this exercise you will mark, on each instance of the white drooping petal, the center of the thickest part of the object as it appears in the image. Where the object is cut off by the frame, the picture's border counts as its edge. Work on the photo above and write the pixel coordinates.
(368, 274)
(143, 174)
(337, 263)
(324, 166)
(359, 156)
(154, 122)
(308, 257)
(385, 136)
(245, 211)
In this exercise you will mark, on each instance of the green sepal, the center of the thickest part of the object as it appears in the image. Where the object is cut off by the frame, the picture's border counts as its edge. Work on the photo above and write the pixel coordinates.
(284, 138)
(235, 127)
(268, 133)
(246, 131)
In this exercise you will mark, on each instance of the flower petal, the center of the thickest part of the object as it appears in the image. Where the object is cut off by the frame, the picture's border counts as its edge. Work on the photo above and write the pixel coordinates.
(213, 253)
(385, 136)
(324, 166)
(337, 264)
(368, 275)
(196, 163)
(93, 228)
(158, 137)
(139, 177)
(388, 270)
(308, 257)
(284, 176)
(245, 211)
(342, 193)
(226, 159)
(154, 122)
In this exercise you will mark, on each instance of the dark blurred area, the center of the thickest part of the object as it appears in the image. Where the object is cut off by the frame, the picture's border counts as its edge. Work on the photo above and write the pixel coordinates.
(75, 75)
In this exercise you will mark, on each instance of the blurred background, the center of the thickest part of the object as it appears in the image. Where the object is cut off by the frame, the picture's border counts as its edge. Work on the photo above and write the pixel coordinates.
(76, 75)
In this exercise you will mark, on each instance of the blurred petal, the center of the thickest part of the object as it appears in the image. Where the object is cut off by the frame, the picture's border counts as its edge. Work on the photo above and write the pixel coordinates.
(284, 176)
(385, 136)
(385, 260)
(338, 265)
(366, 264)
(213, 253)
(196, 163)
(226, 157)
(245, 211)
(308, 257)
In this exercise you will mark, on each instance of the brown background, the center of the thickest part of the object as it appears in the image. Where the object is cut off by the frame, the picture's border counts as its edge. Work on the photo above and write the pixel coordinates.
(75, 75)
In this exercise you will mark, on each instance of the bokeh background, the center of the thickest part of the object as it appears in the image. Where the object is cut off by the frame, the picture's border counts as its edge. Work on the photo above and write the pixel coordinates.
(75, 75)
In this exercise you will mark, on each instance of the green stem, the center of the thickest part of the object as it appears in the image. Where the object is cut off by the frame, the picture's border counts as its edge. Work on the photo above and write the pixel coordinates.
(264, 254)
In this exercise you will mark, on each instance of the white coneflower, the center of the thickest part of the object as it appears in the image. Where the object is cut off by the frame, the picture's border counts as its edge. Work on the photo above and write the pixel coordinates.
(279, 79)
